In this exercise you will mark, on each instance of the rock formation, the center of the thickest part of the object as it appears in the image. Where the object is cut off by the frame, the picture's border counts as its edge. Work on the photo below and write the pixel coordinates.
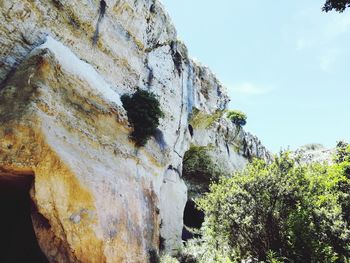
(63, 67)
(314, 153)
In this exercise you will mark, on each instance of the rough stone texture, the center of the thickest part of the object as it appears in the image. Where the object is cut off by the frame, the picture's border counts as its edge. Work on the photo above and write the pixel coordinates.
(314, 153)
(232, 147)
(98, 197)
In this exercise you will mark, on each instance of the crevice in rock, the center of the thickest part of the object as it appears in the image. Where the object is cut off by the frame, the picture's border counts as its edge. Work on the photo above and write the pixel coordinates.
(57, 4)
(170, 167)
(190, 90)
(177, 57)
(153, 256)
(190, 129)
(180, 118)
(152, 8)
(156, 46)
(18, 241)
(193, 220)
(227, 148)
(178, 154)
(227, 141)
(161, 243)
(159, 137)
(246, 150)
(102, 12)
(150, 75)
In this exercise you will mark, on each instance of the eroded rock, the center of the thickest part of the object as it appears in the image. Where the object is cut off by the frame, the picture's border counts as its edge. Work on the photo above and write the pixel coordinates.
(99, 198)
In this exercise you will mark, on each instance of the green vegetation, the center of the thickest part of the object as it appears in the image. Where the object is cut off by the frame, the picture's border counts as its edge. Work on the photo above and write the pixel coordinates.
(199, 166)
(342, 152)
(168, 259)
(143, 110)
(337, 5)
(278, 212)
(201, 120)
(237, 117)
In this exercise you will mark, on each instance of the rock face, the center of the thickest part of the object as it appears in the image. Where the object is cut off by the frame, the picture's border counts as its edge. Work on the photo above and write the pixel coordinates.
(63, 67)
(314, 153)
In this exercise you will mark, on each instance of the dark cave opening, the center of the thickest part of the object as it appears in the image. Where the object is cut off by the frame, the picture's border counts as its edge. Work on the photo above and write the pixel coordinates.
(193, 219)
(18, 242)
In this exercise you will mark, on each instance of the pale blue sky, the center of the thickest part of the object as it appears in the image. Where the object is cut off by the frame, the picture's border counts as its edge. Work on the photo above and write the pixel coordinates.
(285, 64)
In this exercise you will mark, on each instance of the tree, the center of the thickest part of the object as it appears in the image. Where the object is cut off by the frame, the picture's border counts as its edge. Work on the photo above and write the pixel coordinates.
(278, 212)
(337, 5)
(342, 152)
(237, 117)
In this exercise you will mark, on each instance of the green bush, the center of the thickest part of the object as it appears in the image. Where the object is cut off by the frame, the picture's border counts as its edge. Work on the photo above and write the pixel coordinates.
(202, 120)
(199, 166)
(237, 117)
(168, 259)
(342, 152)
(278, 212)
(143, 110)
(342, 158)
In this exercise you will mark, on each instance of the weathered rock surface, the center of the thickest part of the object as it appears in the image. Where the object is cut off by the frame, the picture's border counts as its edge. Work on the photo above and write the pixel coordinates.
(63, 66)
(314, 153)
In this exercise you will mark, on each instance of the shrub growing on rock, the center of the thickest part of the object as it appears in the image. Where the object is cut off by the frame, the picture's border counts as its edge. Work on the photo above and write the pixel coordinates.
(143, 110)
(202, 120)
(237, 117)
(199, 166)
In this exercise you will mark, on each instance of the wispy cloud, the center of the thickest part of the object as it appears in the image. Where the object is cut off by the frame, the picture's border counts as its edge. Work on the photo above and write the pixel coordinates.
(249, 89)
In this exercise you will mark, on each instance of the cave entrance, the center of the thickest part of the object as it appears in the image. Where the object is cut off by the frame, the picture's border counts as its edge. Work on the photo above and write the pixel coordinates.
(18, 242)
(193, 220)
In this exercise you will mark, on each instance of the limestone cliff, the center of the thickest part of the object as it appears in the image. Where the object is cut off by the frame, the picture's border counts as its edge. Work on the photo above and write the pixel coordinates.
(314, 153)
(63, 66)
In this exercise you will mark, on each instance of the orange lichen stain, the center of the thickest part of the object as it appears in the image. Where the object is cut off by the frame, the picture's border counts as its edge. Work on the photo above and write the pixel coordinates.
(57, 192)
(44, 107)
(43, 65)
(53, 169)
(111, 130)
(57, 184)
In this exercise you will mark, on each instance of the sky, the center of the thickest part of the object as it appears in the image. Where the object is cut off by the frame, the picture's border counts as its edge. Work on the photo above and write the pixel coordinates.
(286, 64)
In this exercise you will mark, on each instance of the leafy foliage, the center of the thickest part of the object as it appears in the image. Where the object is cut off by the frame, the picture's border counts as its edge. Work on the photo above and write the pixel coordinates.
(143, 110)
(237, 117)
(168, 259)
(342, 152)
(199, 166)
(202, 120)
(278, 212)
(343, 160)
(337, 5)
